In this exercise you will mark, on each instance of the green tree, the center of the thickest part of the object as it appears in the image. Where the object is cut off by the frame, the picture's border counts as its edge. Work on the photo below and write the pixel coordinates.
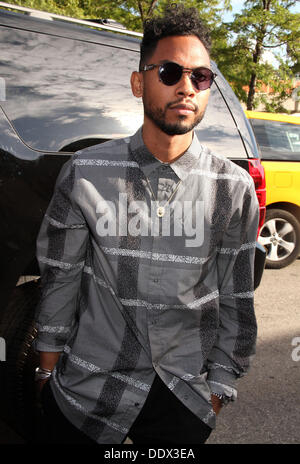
(262, 25)
(131, 13)
(61, 7)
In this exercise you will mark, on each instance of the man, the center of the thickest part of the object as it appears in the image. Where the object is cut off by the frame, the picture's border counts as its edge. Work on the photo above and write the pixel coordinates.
(142, 329)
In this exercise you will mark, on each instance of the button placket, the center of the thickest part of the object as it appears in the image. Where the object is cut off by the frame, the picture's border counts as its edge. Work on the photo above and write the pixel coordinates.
(164, 185)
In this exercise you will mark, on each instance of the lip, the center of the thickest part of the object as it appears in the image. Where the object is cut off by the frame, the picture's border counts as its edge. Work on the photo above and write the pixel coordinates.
(183, 108)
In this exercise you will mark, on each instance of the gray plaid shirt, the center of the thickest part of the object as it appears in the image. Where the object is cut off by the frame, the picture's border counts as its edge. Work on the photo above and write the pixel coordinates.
(127, 295)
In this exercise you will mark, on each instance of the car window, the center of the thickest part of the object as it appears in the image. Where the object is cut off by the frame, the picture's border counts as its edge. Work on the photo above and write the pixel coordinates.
(217, 130)
(277, 140)
(59, 91)
(63, 94)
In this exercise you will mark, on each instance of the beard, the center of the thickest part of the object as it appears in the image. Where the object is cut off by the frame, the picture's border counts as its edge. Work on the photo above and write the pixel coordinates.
(159, 118)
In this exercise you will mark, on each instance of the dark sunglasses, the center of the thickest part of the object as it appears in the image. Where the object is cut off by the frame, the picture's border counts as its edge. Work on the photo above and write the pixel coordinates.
(170, 73)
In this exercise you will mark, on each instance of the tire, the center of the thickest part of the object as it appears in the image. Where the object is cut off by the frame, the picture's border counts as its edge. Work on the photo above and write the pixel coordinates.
(18, 407)
(280, 235)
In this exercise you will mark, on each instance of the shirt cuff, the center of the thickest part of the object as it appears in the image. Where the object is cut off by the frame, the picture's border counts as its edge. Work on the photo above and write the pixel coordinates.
(41, 346)
(222, 382)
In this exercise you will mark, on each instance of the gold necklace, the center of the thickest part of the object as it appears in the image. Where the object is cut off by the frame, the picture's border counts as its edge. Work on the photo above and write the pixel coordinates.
(160, 210)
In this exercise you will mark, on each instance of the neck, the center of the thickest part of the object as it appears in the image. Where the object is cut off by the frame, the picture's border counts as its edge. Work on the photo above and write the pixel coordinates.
(166, 148)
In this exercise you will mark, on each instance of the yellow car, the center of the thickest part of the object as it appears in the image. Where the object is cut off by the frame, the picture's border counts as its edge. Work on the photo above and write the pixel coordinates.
(278, 137)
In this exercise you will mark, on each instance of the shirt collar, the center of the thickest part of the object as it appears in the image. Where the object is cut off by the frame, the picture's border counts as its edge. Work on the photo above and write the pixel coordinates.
(147, 162)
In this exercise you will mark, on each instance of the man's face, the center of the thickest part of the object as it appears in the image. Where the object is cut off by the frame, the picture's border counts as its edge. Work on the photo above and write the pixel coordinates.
(178, 108)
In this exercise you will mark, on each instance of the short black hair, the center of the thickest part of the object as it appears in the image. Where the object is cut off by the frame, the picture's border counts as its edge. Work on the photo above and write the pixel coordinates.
(177, 20)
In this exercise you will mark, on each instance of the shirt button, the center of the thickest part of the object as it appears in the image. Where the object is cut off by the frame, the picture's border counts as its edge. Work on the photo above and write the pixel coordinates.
(156, 280)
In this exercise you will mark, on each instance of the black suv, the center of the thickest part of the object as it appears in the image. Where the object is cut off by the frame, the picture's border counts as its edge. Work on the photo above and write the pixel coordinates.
(64, 85)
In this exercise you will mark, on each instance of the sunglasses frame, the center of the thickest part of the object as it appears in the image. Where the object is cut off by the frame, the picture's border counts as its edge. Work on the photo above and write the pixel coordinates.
(149, 67)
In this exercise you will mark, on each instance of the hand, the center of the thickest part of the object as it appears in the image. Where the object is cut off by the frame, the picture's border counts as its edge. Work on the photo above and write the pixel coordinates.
(216, 404)
(40, 385)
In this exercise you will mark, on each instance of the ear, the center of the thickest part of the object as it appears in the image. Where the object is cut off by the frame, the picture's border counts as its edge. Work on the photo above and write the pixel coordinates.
(137, 84)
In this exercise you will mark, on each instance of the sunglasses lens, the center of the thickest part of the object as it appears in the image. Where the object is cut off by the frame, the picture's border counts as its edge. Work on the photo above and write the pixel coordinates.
(170, 73)
(202, 78)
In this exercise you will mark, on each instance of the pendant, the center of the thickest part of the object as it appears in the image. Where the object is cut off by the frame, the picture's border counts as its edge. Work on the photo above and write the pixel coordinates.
(160, 211)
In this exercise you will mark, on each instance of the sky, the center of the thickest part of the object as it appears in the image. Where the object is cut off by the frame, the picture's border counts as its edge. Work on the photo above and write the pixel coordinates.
(237, 5)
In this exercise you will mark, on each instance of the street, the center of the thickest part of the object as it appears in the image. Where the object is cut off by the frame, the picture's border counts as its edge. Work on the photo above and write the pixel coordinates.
(268, 404)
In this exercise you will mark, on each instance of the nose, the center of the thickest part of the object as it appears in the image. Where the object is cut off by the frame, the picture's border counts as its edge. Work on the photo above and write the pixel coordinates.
(185, 86)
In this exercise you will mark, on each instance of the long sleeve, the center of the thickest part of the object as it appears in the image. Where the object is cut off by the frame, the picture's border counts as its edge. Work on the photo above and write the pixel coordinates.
(235, 344)
(61, 249)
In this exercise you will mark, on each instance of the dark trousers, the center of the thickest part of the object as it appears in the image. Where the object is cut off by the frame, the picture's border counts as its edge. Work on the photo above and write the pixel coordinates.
(163, 420)
(54, 426)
